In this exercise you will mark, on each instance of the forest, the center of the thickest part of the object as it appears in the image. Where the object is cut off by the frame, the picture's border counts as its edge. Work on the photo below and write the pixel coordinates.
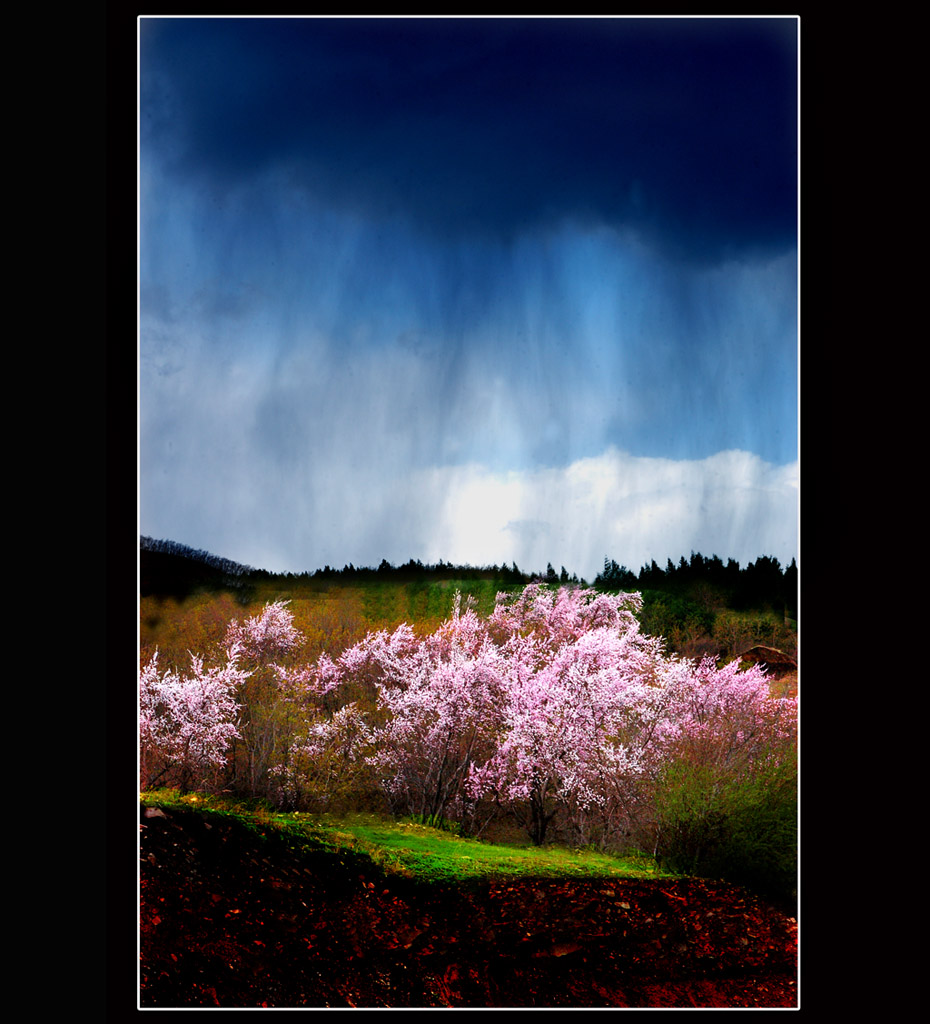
(621, 715)
(168, 565)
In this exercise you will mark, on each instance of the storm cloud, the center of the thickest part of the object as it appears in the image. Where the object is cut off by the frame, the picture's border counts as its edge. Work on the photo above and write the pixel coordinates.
(483, 290)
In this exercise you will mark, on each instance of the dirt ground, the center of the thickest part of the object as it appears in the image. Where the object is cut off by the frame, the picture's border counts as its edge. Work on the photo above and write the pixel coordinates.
(231, 920)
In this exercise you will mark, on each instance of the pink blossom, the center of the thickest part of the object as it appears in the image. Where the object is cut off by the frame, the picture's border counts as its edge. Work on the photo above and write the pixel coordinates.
(188, 721)
(270, 634)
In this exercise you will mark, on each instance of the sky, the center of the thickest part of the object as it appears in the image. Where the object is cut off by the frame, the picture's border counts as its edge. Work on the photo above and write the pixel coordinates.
(479, 290)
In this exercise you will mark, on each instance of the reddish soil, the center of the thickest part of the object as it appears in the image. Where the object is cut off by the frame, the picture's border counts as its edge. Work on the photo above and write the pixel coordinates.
(233, 920)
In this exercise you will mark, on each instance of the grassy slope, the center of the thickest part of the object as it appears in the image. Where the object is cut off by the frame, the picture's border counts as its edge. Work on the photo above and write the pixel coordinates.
(418, 851)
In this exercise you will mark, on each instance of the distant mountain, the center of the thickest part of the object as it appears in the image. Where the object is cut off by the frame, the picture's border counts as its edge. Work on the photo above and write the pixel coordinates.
(167, 568)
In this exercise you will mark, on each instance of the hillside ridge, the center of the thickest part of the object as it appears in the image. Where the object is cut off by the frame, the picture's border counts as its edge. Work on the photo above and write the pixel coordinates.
(234, 919)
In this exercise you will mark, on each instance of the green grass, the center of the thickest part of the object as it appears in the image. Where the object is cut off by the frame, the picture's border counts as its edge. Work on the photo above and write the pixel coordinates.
(418, 851)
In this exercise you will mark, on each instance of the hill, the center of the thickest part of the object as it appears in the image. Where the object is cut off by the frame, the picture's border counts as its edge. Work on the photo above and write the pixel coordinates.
(700, 606)
(234, 918)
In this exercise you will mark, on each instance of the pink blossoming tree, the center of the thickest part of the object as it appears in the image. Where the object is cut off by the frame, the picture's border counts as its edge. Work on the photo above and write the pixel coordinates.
(323, 759)
(438, 707)
(265, 644)
(187, 722)
(555, 706)
(265, 637)
(582, 690)
(556, 703)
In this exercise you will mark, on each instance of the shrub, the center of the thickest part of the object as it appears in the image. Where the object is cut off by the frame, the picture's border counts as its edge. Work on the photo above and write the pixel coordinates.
(738, 826)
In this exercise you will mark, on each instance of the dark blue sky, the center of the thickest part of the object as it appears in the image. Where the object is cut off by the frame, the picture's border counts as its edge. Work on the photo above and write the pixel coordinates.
(389, 261)
(683, 130)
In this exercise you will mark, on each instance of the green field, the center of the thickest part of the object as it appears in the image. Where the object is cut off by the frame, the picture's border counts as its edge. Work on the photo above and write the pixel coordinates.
(407, 848)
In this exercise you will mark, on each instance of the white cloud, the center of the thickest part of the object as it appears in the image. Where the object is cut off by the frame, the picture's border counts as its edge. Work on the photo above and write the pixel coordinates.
(632, 509)
(402, 412)
(628, 508)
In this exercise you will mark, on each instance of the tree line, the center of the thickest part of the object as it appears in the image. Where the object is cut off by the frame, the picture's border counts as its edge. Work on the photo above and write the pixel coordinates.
(759, 584)
(710, 581)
